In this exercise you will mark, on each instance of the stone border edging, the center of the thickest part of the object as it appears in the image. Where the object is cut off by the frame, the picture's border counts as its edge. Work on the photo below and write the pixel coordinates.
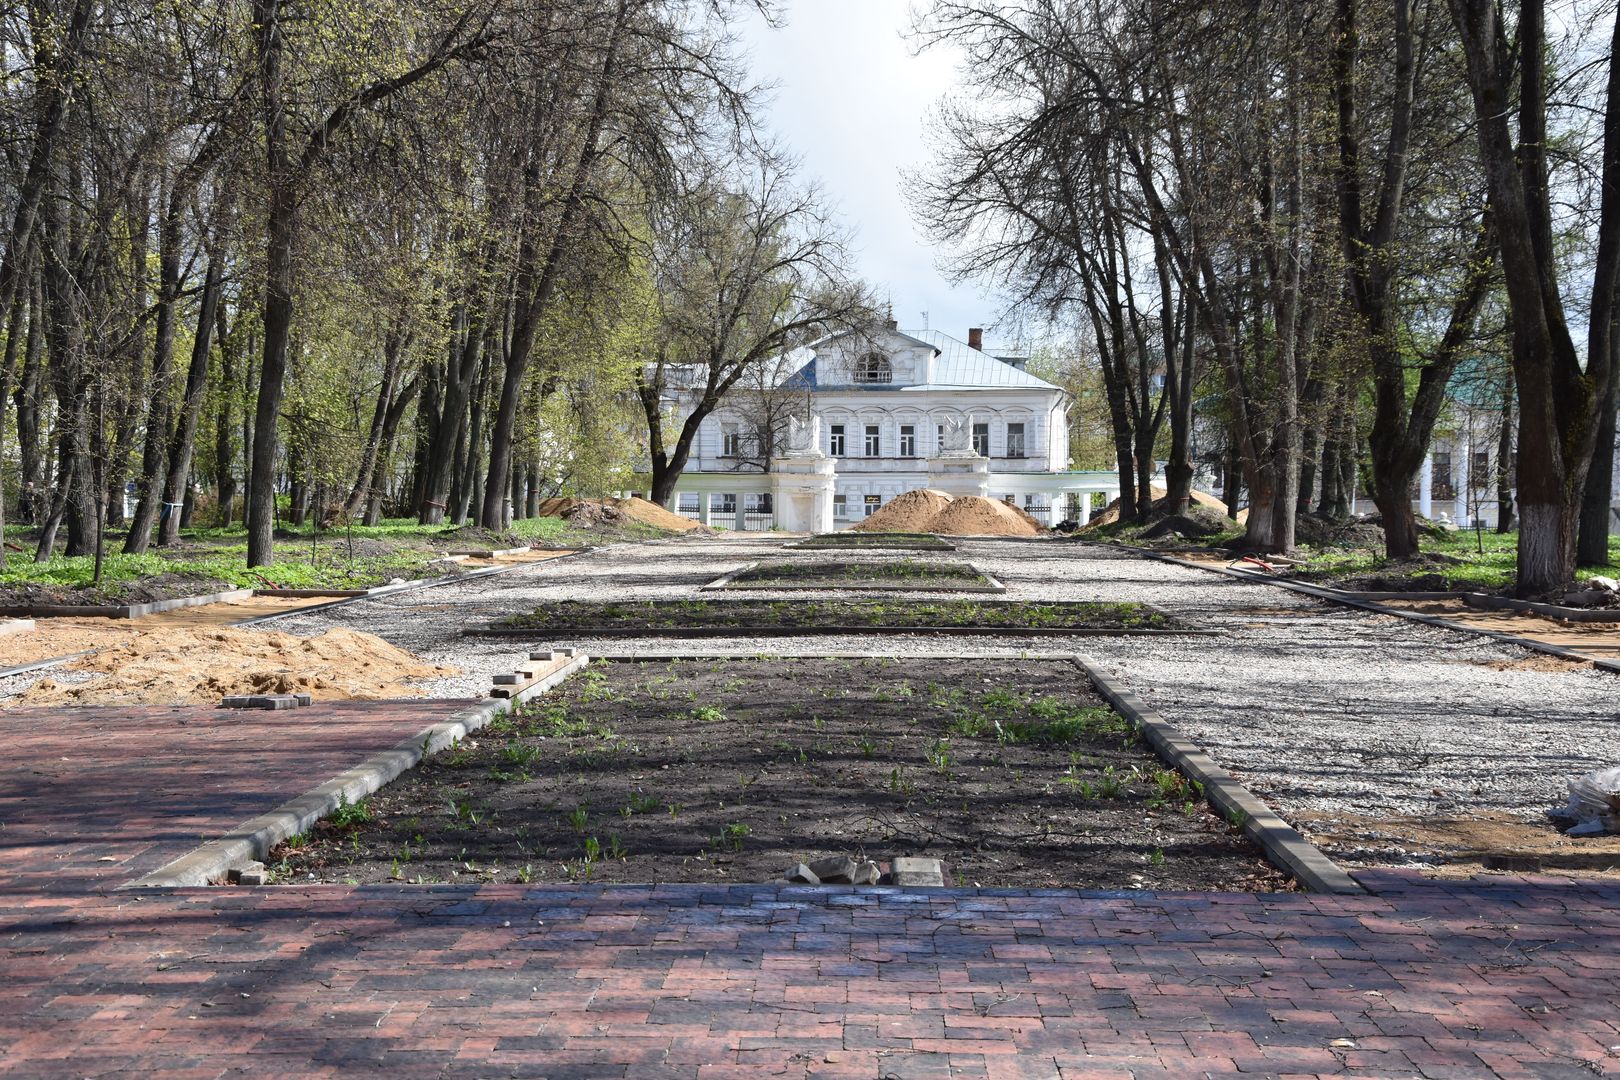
(1486, 602)
(404, 586)
(122, 611)
(1282, 844)
(725, 583)
(1379, 609)
(496, 631)
(37, 665)
(254, 838)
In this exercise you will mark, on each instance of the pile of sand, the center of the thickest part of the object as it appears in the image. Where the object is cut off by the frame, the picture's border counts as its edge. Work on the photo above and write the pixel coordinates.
(201, 666)
(929, 511)
(587, 512)
(910, 512)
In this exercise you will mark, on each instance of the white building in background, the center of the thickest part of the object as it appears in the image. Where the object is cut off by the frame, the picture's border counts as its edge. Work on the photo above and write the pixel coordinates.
(879, 414)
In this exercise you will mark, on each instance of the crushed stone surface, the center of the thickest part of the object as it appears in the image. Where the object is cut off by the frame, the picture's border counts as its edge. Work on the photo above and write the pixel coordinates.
(1319, 709)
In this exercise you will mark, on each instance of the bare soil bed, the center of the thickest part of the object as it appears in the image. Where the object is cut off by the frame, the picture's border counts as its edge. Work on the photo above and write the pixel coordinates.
(139, 591)
(654, 615)
(853, 541)
(894, 574)
(732, 770)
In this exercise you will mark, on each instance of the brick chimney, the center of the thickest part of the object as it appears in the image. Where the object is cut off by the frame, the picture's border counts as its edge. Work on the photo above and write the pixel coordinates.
(976, 337)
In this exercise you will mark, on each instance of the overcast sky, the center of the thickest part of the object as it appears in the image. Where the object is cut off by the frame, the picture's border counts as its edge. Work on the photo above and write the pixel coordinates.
(852, 103)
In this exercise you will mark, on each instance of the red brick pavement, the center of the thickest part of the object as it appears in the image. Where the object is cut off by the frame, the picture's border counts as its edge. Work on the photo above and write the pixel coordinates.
(104, 795)
(1511, 976)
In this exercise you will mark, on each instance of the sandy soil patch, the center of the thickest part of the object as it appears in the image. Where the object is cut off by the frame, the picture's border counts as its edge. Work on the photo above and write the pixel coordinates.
(201, 666)
(51, 638)
(1460, 846)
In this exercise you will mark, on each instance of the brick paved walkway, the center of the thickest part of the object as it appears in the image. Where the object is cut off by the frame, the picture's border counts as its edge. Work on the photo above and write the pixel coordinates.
(1512, 977)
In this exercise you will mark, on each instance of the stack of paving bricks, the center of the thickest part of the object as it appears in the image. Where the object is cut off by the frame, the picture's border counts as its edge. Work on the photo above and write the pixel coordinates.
(540, 665)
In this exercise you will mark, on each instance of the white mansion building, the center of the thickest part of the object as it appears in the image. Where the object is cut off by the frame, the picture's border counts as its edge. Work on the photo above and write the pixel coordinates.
(889, 412)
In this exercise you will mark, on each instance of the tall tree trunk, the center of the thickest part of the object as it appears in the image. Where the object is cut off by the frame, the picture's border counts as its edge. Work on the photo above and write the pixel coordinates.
(158, 418)
(1558, 397)
(439, 465)
(32, 449)
(538, 269)
(177, 485)
(224, 478)
(360, 494)
(281, 230)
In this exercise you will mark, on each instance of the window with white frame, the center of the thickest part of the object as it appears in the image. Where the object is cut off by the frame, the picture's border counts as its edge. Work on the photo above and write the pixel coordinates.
(981, 439)
(1015, 440)
(730, 441)
(840, 507)
(835, 440)
(908, 440)
(871, 504)
(873, 368)
(939, 438)
(874, 441)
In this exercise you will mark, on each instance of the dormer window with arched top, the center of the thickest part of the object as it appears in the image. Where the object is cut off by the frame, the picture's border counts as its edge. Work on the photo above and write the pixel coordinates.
(873, 368)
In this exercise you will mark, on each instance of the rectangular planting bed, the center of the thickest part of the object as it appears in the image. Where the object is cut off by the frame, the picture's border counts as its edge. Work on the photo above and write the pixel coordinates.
(853, 541)
(1013, 772)
(757, 618)
(890, 575)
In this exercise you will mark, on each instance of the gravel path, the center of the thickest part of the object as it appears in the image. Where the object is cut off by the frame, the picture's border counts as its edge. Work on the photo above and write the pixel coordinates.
(1318, 708)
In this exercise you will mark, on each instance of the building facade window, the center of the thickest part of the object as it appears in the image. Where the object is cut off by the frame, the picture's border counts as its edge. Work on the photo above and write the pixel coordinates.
(873, 368)
(730, 441)
(835, 440)
(840, 507)
(981, 439)
(871, 503)
(1015, 440)
(874, 441)
(1442, 486)
(908, 440)
(939, 438)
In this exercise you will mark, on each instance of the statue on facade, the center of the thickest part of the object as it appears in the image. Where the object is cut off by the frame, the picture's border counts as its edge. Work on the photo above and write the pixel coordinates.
(957, 435)
(801, 434)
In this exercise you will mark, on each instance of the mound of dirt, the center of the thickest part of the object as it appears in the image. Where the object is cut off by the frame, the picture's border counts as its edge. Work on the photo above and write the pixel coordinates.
(1205, 509)
(1324, 533)
(588, 512)
(910, 512)
(971, 515)
(1185, 526)
(175, 667)
(928, 511)
(477, 536)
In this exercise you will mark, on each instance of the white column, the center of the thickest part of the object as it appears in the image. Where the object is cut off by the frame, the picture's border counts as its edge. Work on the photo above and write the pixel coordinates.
(1426, 487)
(1085, 507)
(705, 508)
(1054, 508)
(742, 518)
(1462, 516)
